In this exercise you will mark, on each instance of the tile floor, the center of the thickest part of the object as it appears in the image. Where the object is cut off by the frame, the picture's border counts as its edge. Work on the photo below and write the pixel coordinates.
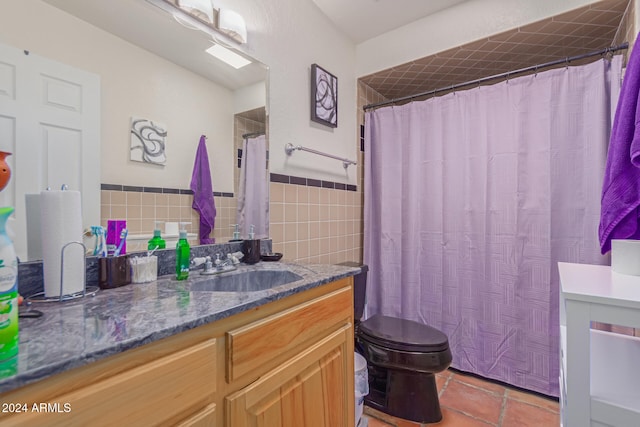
(467, 401)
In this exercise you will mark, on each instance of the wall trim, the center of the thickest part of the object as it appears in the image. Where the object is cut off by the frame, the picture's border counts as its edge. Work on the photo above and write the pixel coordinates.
(309, 182)
(161, 190)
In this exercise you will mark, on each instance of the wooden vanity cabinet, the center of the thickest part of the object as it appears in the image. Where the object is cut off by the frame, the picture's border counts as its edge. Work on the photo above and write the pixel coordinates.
(287, 363)
(310, 386)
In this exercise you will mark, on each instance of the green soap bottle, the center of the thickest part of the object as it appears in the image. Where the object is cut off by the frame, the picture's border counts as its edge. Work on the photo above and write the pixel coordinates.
(8, 291)
(183, 253)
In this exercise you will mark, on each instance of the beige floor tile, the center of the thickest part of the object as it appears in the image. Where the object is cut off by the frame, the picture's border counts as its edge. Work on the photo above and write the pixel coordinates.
(451, 418)
(478, 382)
(534, 399)
(472, 401)
(520, 414)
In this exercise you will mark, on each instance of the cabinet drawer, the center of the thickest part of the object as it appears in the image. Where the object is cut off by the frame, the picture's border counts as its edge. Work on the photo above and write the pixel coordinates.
(251, 346)
(146, 395)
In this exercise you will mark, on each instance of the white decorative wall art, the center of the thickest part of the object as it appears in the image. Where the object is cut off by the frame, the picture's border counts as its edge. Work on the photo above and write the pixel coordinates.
(148, 140)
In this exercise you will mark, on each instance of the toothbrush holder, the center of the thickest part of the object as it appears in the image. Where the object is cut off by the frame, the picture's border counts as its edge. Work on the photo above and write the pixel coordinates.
(113, 272)
(251, 251)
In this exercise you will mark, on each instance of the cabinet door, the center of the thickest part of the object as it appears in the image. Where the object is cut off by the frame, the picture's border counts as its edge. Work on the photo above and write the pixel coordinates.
(312, 389)
(204, 418)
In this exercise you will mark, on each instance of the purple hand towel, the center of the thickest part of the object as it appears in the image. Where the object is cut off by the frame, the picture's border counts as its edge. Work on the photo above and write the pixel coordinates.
(621, 187)
(202, 189)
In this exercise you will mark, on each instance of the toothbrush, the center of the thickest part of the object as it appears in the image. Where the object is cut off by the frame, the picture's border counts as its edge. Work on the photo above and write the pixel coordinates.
(94, 232)
(102, 246)
(123, 238)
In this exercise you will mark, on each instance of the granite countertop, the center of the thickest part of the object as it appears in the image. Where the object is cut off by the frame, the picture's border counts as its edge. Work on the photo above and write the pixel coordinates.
(78, 332)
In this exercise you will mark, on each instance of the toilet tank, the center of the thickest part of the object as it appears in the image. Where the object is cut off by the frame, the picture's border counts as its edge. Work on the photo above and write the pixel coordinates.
(359, 288)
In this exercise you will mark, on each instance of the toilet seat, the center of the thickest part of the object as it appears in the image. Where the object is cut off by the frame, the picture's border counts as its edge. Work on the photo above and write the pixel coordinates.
(403, 335)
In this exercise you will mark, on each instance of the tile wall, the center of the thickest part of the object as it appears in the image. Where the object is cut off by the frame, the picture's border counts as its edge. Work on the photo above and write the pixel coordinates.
(142, 208)
(309, 222)
(314, 224)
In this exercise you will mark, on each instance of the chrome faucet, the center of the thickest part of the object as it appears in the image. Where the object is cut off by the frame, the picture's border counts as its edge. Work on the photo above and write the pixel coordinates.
(218, 266)
(205, 261)
(223, 264)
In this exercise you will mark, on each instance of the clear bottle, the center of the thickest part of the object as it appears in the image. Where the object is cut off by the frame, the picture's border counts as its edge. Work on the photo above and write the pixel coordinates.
(183, 254)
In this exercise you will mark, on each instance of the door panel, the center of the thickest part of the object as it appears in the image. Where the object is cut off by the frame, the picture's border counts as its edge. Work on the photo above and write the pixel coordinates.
(50, 122)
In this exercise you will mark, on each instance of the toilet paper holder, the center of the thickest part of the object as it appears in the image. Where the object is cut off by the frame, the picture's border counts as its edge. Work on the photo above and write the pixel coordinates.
(86, 290)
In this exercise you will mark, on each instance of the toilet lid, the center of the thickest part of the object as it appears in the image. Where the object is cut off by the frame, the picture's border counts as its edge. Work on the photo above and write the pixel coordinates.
(401, 334)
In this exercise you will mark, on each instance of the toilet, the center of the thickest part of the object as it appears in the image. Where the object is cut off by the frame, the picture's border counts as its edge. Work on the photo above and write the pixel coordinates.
(403, 357)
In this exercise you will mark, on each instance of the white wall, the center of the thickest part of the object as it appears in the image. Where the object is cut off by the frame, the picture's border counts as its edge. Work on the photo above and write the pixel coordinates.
(250, 97)
(463, 23)
(134, 83)
(289, 36)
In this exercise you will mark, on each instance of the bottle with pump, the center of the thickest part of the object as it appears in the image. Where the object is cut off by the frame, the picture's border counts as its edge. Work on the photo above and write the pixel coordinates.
(156, 242)
(183, 253)
(236, 234)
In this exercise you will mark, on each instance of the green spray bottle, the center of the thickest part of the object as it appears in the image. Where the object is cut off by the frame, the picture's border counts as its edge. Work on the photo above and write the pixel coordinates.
(8, 291)
(183, 254)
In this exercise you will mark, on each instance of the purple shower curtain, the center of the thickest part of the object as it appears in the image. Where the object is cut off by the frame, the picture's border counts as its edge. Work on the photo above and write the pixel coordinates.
(472, 198)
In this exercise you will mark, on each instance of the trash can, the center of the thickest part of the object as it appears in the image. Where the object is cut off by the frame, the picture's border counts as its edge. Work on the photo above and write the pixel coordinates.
(361, 385)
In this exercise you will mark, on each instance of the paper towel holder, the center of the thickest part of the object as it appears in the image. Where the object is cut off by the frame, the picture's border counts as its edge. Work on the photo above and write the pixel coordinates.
(86, 290)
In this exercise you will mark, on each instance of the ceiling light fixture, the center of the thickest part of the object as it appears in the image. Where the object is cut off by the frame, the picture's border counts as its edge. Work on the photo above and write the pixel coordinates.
(232, 24)
(203, 9)
(228, 56)
(201, 15)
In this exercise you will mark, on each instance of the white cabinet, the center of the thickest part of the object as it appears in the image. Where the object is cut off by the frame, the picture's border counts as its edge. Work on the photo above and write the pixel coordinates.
(599, 371)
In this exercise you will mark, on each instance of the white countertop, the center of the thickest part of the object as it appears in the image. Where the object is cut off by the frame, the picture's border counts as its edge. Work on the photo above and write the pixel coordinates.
(599, 284)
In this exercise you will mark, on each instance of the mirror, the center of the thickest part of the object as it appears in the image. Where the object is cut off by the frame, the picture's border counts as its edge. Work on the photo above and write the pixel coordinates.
(143, 24)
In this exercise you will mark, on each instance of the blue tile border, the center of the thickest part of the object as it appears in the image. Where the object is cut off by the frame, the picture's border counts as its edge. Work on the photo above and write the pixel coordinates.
(158, 190)
(309, 182)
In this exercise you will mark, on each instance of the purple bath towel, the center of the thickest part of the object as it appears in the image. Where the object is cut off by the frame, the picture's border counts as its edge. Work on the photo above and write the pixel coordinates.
(202, 189)
(621, 187)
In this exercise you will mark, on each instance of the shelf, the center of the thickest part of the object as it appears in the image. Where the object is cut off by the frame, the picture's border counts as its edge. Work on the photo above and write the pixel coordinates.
(614, 367)
(601, 385)
(615, 377)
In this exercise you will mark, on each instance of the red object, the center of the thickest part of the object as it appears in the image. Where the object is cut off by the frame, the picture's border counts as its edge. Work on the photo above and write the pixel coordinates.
(5, 171)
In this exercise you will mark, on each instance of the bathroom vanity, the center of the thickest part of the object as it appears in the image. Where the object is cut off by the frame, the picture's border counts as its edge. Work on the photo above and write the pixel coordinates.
(177, 356)
(599, 375)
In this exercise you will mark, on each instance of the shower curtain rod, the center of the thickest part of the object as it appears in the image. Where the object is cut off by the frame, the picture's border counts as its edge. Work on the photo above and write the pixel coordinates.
(251, 135)
(499, 76)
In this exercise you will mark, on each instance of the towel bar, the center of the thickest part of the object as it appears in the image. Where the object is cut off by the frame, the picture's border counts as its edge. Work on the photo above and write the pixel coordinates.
(289, 148)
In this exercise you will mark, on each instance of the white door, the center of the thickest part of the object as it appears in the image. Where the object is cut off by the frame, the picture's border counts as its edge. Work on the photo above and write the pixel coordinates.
(50, 121)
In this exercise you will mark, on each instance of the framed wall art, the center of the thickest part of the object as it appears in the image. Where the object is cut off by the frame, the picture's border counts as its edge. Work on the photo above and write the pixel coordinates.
(148, 139)
(324, 97)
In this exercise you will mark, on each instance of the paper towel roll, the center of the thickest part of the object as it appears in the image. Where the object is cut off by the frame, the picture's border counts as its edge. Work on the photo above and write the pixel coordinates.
(34, 233)
(61, 223)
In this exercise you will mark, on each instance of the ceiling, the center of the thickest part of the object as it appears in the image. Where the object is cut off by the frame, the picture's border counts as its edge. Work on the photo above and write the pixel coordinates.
(154, 29)
(364, 19)
(577, 32)
(573, 33)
